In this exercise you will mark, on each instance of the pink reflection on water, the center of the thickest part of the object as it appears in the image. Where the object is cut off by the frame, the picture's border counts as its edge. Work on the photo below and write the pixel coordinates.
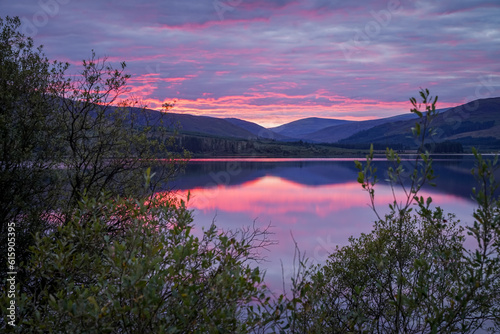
(272, 195)
(275, 196)
(318, 217)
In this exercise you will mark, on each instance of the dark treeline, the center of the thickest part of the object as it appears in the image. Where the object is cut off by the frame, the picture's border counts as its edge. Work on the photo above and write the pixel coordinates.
(444, 147)
(203, 145)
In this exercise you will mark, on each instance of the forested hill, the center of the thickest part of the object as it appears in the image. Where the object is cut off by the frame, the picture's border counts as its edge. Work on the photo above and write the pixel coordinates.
(476, 123)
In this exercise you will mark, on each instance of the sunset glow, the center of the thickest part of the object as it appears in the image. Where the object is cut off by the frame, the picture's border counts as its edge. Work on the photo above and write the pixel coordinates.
(276, 61)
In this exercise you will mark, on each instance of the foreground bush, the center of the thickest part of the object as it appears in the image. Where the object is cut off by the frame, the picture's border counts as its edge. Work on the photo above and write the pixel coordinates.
(412, 273)
(135, 267)
(64, 135)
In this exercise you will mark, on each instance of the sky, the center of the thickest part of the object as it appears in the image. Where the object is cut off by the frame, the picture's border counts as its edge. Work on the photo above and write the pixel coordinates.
(275, 61)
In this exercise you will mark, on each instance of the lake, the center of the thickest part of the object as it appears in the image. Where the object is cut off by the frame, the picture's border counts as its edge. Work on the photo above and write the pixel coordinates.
(316, 202)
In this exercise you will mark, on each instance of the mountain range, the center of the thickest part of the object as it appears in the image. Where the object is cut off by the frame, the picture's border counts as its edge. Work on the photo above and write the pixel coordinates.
(476, 123)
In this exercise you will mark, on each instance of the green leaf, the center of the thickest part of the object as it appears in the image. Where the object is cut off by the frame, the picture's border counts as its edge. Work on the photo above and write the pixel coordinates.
(361, 177)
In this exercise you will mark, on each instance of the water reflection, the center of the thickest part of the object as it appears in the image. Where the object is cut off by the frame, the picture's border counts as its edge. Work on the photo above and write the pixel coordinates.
(318, 202)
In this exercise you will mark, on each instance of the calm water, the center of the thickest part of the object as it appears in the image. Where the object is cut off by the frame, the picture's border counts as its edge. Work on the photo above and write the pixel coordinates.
(317, 201)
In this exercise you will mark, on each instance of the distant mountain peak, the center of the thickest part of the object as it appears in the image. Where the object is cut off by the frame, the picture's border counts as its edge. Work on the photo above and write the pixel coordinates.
(302, 127)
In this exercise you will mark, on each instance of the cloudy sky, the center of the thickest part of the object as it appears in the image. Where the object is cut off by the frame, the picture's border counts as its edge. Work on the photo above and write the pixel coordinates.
(274, 61)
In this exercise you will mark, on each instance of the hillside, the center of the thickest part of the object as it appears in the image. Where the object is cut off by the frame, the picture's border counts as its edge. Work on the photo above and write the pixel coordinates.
(186, 123)
(476, 123)
(257, 130)
(207, 125)
(302, 127)
(333, 134)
